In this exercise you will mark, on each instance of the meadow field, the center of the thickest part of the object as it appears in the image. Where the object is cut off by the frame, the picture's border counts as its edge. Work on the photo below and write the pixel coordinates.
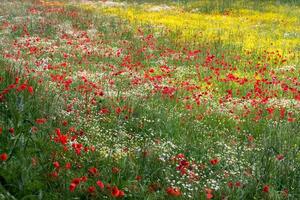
(149, 99)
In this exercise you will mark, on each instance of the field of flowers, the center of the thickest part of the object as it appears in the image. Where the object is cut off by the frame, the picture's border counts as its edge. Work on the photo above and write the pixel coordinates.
(149, 99)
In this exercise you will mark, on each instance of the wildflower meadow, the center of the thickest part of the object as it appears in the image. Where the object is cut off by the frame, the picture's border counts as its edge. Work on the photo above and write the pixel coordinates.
(149, 99)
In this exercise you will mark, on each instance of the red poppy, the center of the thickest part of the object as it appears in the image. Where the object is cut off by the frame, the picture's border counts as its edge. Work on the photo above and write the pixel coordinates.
(118, 110)
(138, 178)
(83, 179)
(3, 156)
(11, 130)
(209, 196)
(279, 157)
(76, 181)
(104, 111)
(100, 184)
(30, 89)
(214, 161)
(266, 188)
(41, 121)
(72, 187)
(91, 189)
(121, 194)
(65, 122)
(22, 87)
(115, 192)
(54, 174)
(68, 165)
(180, 156)
(93, 170)
(173, 191)
(56, 164)
(238, 184)
(250, 138)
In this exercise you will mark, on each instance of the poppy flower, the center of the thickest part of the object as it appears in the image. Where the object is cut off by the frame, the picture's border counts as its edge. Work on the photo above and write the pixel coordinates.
(266, 188)
(91, 189)
(118, 110)
(180, 156)
(54, 174)
(209, 196)
(214, 161)
(115, 192)
(100, 184)
(3, 156)
(65, 123)
(76, 181)
(93, 170)
(30, 89)
(41, 121)
(279, 157)
(250, 138)
(238, 184)
(121, 194)
(72, 187)
(22, 87)
(56, 164)
(173, 191)
(84, 179)
(138, 178)
(68, 165)
(11, 130)
(104, 111)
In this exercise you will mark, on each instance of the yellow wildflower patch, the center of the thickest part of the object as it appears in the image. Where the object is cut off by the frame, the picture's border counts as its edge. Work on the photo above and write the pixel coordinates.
(277, 29)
